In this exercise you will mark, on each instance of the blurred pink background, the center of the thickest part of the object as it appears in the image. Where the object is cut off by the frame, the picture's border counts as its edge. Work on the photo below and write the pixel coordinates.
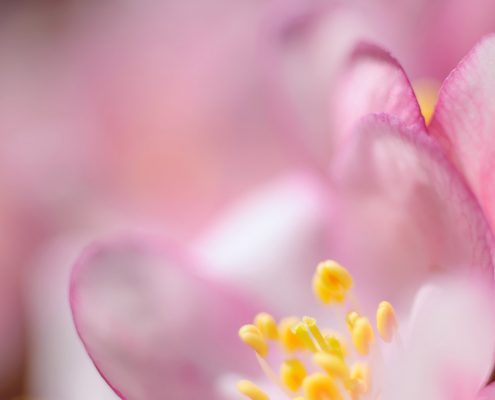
(161, 116)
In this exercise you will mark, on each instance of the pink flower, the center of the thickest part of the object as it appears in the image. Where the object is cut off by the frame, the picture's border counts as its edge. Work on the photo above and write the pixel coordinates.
(408, 206)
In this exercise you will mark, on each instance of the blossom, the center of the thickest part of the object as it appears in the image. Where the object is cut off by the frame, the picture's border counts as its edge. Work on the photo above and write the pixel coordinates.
(407, 206)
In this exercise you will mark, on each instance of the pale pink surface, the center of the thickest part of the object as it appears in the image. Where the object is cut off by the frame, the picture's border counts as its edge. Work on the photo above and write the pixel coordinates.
(402, 211)
(448, 344)
(151, 324)
(464, 121)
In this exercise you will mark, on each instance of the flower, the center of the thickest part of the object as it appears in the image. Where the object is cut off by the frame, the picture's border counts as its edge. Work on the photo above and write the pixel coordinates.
(405, 211)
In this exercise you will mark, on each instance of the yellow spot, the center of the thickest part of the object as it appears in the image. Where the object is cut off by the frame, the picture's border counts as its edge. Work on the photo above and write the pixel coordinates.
(334, 366)
(360, 380)
(362, 335)
(320, 387)
(331, 282)
(351, 319)
(267, 325)
(252, 336)
(249, 389)
(287, 337)
(337, 346)
(386, 322)
(315, 331)
(292, 374)
(427, 94)
(302, 333)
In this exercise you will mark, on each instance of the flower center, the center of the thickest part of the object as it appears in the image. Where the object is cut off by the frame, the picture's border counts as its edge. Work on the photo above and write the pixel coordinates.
(426, 91)
(320, 364)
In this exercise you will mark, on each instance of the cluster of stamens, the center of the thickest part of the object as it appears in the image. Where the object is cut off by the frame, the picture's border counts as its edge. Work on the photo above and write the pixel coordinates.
(317, 363)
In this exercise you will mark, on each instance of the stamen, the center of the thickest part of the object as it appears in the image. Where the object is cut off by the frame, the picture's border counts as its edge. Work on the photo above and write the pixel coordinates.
(292, 374)
(334, 366)
(250, 390)
(252, 336)
(362, 335)
(320, 387)
(336, 346)
(386, 322)
(302, 333)
(267, 325)
(331, 282)
(287, 337)
(313, 328)
(351, 319)
(360, 380)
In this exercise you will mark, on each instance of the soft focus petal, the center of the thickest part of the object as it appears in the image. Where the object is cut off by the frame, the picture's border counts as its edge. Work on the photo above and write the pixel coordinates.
(464, 121)
(271, 241)
(448, 353)
(373, 82)
(402, 212)
(428, 37)
(59, 367)
(152, 326)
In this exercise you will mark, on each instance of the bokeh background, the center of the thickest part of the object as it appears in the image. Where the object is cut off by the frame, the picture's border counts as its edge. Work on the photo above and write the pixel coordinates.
(162, 115)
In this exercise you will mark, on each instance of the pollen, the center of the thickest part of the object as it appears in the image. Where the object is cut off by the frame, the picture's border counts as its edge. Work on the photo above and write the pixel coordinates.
(334, 366)
(386, 322)
(360, 380)
(315, 331)
(362, 335)
(302, 333)
(331, 282)
(267, 325)
(320, 386)
(292, 374)
(251, 335)
(288, 339)
(250, 390)
(321, 364)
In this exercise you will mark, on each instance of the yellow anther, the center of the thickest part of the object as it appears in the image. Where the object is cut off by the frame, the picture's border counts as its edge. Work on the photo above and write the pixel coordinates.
(292, 374)
(252, 336)
(362, 335)
(336, 346)
(267, 325)
(315, 331)
(331, 282)
(351, 319)
(427, 94)
(333, 366)
(302, 333)
(298, 398)
(250, 390)
(320, 387)
(287, 337)
(360, 380)
(386, 322)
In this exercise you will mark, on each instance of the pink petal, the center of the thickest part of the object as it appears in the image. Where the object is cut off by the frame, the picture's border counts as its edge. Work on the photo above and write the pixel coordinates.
(374, 81)
(448, 353)
(464, 121)
(153, 328)
(402, 211)
(488, 393)
(271, 241)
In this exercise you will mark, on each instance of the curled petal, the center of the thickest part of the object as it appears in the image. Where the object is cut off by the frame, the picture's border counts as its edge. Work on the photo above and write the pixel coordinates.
(153, 328)
(402, 211)
(374, 82)
(464, 121)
